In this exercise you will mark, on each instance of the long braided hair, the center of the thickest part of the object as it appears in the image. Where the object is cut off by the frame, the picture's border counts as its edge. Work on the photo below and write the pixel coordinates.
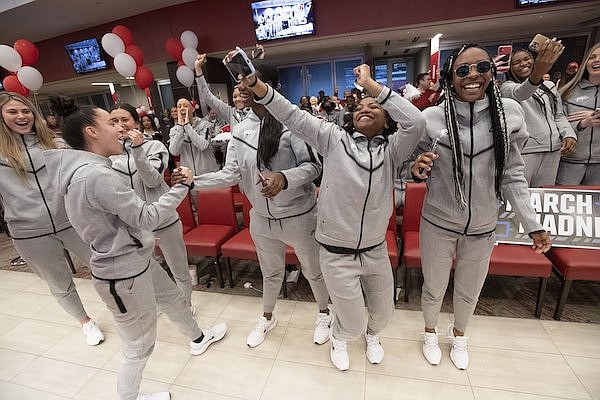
(498, 119)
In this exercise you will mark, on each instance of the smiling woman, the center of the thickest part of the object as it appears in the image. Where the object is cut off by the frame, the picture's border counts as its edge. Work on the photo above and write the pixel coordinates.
(33, 210)
(476, 161)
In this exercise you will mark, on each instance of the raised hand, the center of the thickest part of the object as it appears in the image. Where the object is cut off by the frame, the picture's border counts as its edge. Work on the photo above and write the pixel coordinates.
(136, 137)
(200, 61)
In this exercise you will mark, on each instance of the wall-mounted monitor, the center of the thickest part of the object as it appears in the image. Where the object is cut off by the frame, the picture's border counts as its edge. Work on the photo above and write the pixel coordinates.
(86, 56)
(526, 3)
(278, 19)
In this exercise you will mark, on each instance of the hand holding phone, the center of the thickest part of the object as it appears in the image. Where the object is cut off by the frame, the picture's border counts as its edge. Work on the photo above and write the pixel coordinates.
(537, 42)
(238, 63)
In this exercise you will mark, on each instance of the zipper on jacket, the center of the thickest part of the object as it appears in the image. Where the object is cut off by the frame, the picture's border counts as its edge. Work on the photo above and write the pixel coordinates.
(362, 217)
(128, 166)
(471, 106)
(549, 127)
(592, 130)
(37, 181)
(193, 158)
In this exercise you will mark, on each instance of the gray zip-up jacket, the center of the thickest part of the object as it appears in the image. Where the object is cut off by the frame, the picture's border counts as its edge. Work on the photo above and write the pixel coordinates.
(192, 143)
(294, 159)
(34, 209)
(355, 199)
(141, 167)
(584, 97)
(232, 115)
(107, 213)
(479, 217)
(546, 124)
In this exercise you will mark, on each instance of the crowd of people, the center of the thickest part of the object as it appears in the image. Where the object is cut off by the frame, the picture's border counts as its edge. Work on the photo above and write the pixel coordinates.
(93, 183)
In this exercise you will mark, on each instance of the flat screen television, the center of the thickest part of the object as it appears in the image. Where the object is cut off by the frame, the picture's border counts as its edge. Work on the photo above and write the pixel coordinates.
(278, 19)
(526, 3)
(86, 56)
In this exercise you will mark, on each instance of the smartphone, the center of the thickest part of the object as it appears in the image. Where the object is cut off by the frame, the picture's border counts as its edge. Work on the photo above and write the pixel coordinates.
(537, 42)
(262, 179)
(239, 64)
(505, 50)
(434, 144)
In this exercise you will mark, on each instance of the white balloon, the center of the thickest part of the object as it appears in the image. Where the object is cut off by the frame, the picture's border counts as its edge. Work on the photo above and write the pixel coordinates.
(189, 40)
(30, 77)
(185, 75)
(125, 65)
(189, 57)
(112, 44)
(9, 58)
(143, 108)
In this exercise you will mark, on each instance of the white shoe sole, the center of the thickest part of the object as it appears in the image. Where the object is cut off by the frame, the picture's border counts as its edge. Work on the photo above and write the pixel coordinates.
(211, 341)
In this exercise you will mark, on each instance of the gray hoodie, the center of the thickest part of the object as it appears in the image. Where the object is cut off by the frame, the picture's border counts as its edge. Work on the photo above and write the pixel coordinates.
(584, 97)
(355, 200)
(107, 213)
(142, 168)
(34, 209)
(546, 124)
(294, 159)
(481, 213)
(230, 114)
(192, 143)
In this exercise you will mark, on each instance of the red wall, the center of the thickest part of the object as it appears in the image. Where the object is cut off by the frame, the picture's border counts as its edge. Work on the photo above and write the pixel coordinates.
(220, 25)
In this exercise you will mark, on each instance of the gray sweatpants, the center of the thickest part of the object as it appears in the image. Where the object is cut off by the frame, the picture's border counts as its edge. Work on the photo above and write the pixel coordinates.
(271, 238)
(46, 258)
(578, 174)
(170, 241)
(347, 277)
(541, 168)
(437, 248)
(142, 296)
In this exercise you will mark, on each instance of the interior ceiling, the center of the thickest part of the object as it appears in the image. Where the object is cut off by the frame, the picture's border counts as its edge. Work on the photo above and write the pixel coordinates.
(51, 18)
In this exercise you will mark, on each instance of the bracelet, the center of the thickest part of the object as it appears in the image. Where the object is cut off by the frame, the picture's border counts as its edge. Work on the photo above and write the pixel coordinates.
(255, 82)
(198, 76)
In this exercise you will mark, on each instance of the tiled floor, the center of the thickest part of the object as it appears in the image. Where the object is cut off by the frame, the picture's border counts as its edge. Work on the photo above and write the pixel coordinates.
(43, 355)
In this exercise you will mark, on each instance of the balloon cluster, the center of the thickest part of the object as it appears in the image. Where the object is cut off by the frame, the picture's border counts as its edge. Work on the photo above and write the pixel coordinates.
(128, 58)
(184, 51)
(19, 60)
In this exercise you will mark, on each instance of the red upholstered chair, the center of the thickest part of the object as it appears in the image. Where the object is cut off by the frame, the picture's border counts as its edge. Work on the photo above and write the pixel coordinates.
(242, 247)
(391, 240)
(411, 221)
(237, 198)
(216, 224)
(521, 260)
(571, 264)
(186, 214)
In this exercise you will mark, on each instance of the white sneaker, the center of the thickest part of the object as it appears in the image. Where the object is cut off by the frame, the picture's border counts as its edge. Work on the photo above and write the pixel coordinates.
(458, 353)
(339, 354)
(431, 348)
(154, 396)
(374, 349)
(258, 334)
(211, 334)
(93, 334)
(323, 322)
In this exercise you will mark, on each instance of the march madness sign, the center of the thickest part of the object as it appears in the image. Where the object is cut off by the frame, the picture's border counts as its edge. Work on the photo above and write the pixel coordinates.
(572, 217)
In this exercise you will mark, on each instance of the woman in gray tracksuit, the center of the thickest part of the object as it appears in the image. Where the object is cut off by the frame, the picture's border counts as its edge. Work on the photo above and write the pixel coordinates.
(117, 225)
(141, 165)
(33, 210)
(284, 205)
(477, 161)
(190, 139)
(355, 203)
(581, 100)
(550, 134)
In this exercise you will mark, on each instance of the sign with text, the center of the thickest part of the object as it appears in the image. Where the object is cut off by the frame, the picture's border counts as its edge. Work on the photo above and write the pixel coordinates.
(572, 217)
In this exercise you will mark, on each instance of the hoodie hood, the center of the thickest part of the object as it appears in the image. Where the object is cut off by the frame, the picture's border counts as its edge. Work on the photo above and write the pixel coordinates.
(64, 163)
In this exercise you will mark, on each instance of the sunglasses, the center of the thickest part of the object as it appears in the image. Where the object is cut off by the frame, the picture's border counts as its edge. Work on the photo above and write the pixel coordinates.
(481, 67)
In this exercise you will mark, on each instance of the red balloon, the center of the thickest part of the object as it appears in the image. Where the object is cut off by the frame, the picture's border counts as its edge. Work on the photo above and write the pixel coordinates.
(11, 84)
(28, 51)
(143, 77)
(174, 48)
(180, 63)
(124, 33)
(136, 53)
